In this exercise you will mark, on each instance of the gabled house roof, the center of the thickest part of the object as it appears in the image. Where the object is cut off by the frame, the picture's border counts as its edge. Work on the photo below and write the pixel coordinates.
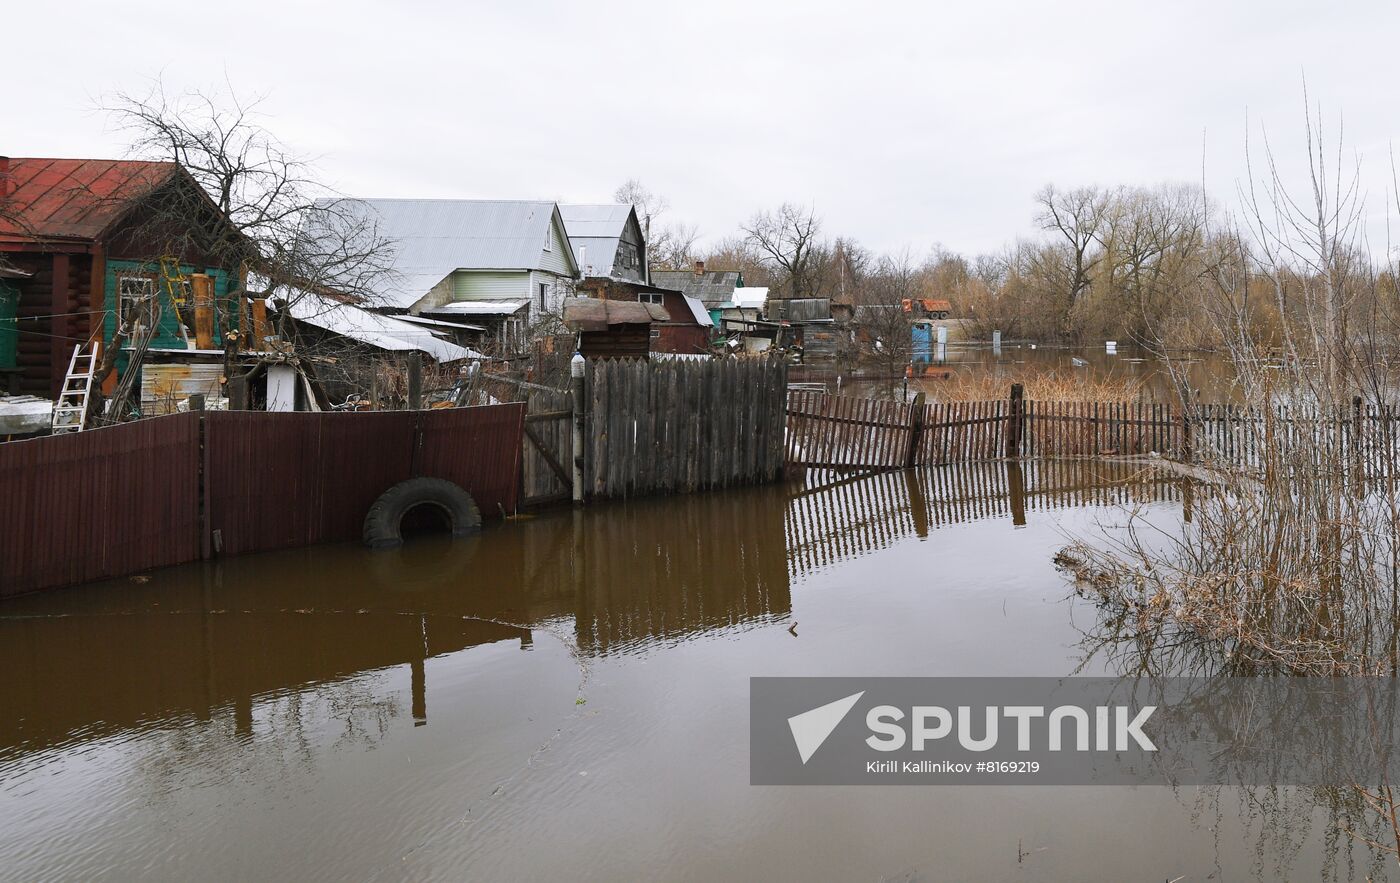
(712, 287)
(434, 237)
(597, 228)
(75, 199)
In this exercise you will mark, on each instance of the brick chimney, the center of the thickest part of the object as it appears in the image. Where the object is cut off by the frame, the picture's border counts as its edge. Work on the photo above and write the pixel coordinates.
(4, 176)
(699, 268)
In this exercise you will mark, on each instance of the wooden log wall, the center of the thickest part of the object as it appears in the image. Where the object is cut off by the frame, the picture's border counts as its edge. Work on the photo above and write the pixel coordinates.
(680, 426)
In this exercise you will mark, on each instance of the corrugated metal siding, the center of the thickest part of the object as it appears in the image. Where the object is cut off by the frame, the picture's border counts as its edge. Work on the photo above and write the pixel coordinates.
(277, 481)
(98, 504)
(284, 480)
(116, 501)
(164, 387)
(478, 449)
(476, 285)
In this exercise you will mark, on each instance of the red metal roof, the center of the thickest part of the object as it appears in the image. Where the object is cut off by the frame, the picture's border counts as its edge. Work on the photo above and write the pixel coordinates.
(73, 198)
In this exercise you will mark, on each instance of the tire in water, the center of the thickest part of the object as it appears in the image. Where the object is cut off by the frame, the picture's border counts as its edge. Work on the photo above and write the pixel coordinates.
(383, 523)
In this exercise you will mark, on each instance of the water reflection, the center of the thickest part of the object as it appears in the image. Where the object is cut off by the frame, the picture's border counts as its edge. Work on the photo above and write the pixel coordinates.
(836, 516)
(622, 578)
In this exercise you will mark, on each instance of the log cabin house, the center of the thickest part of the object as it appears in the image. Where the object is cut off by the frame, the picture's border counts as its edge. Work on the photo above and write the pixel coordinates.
(80, 239)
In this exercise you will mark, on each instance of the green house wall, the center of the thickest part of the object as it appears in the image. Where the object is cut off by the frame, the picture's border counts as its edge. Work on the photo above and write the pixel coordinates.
(168, 327)
(9, 331)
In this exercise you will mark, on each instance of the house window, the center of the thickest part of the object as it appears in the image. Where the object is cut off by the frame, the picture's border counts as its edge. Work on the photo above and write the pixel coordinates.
(135, 296)
(651, 299)
(628, 256)
(542, 292)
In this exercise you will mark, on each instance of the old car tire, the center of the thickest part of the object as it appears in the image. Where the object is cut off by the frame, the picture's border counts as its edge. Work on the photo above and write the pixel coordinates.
(384, 521)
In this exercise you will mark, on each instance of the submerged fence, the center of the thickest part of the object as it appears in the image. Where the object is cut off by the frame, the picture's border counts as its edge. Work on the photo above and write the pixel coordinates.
(835, 431)
(168, 490)
(1362, 440)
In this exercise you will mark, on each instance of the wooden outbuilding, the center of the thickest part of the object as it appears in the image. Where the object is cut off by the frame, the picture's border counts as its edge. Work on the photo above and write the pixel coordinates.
(613, 329)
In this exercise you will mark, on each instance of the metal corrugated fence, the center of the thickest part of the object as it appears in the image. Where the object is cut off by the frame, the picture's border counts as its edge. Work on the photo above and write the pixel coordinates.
(116, 501)
(98, 504)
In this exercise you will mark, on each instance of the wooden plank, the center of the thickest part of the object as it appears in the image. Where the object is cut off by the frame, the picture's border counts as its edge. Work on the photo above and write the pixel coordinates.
(563, 475)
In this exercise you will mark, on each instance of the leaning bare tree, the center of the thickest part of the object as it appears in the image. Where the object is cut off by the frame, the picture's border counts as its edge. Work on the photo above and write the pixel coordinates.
(258, 207)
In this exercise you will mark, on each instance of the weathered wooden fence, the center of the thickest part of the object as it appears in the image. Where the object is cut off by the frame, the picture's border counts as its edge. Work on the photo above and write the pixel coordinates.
(116, 501)
(547, 475)
(678, 426)
(1360, 439)
(836, 431)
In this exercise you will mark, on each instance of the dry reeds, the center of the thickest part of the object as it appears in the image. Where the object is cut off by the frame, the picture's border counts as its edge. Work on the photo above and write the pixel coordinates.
(1041, 387)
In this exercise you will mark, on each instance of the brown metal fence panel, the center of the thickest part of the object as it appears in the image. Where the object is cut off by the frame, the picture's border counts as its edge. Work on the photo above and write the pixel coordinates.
(478, 449)
(116, 501)
(98, 504)
(276, 481)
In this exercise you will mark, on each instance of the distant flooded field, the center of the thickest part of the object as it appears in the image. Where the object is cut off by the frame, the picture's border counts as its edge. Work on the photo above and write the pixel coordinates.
(566, 697)
(1208, 373)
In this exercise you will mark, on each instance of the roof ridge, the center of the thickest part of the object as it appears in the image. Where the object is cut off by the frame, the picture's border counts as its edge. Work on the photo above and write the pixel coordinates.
(437, 199)
(52, 159)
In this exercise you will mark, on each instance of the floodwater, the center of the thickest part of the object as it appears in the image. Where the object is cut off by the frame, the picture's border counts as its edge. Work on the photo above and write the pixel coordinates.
(566, 697)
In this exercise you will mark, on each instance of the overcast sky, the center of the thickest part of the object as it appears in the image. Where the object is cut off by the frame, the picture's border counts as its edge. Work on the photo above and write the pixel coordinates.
(905, 124)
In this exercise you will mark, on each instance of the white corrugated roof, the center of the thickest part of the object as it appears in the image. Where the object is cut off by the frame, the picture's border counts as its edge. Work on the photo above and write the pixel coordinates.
(433, 237)
(595, 220)
(752, 297)
(478, 308)
(380, 331)
(438, 323)
(697, 309)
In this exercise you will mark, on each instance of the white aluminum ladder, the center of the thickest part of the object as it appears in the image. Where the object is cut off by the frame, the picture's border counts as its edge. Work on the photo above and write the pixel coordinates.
(70, 411)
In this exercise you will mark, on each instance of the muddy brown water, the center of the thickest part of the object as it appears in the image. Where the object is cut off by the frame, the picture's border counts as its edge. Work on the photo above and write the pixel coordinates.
(566, 697)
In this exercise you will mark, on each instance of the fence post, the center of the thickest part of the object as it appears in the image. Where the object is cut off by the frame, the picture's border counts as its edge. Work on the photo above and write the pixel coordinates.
(1356, 435)
(916, 430)
(576, 385)
(1015, 421)
(415, 381)
(1186, 434)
